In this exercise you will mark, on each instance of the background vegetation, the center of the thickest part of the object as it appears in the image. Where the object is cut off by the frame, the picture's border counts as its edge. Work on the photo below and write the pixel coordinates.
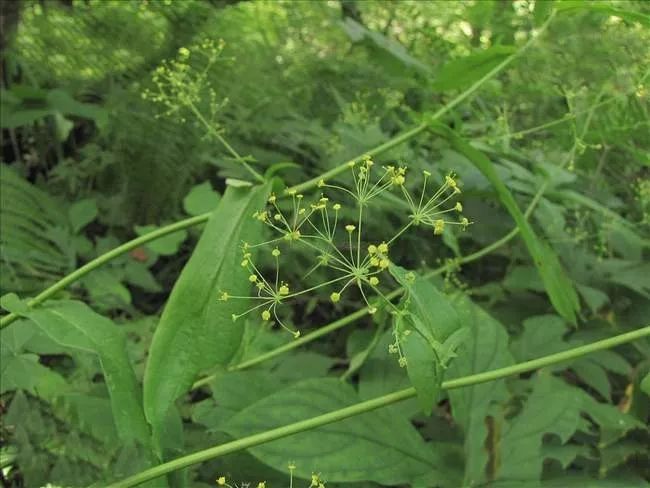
(299, 88)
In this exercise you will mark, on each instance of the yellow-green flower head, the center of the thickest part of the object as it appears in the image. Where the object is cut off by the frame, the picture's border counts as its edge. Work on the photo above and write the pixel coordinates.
(244, 263)
(372, 249)
(374, 261)
(321, 183)
(277, 217)
(261, 484)
(183, 52)
(350, 228)
(261, 216)
(438, 227)
(224, 296)
(275, 252)
(335, 297)
(464, 222)
(374, 281)
(221, 480)
(458, 207)
(259, 285)
(284, 290)
(252, 278)
(398, 180)
(383, 248)
(292, 236)
(266, 315)
(296, 334)
(272, 198)
(384, 263)
(337, 207)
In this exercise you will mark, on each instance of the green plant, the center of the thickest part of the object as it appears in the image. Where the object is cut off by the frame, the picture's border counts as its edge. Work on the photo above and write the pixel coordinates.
(494, 362)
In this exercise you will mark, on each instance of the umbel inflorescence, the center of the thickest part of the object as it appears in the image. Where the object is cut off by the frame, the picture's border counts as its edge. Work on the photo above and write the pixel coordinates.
(338, 244)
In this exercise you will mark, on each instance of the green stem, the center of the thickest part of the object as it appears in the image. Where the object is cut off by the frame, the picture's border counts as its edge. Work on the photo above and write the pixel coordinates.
(369, 405)
(103, 259)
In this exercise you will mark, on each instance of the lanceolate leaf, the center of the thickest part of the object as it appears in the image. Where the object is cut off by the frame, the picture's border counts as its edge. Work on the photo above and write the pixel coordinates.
(375, 446)
(73, 324)
(196, 331)
(434, 334)
(558, 286)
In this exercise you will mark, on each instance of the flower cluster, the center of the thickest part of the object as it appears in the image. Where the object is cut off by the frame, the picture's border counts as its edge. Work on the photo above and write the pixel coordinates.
(337, 244)
(183, 83)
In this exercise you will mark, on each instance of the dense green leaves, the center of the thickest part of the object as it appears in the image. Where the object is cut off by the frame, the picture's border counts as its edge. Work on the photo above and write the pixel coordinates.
(196, 331)
(75, 325)
(462, 72)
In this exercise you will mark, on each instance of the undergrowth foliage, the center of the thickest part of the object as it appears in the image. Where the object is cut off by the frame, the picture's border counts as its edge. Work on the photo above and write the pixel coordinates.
(310, 244)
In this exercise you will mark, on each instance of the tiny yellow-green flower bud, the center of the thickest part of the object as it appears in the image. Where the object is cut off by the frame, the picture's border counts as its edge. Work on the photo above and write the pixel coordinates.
(266, 315)
(296, 334)
(277, 217)
(458, 207)
(402, 362)
(438, 227)
(464, 222)
(383, 248)
(252, 278)
(337, 207)
(275, 252)
(335, 297)
(234, 317)
(244, 263)
(321, 183)
(284, 290)
(392, 349)
(261, 484)
(372, 310)
(350, 228)
(374, 281)
(221, 481)
(384, 263)
(426, 173)
(224, 296)
(372, 249)
(374, 261)
(260, 285)
(272, 198)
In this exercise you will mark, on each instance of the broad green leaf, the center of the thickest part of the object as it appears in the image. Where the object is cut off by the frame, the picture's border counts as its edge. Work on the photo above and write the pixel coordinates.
(201, 199)
(73, 324)
(196, 331)
(486, 349)
(167, 245)
(549, 409)
(558, 285)
(82, 213)
(429, 327)
(462, 72)
(374, 446)
(645, 384)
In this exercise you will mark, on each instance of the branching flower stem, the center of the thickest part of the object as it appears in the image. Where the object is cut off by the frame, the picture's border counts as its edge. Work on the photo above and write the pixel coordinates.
(375, 403)
(310, 184)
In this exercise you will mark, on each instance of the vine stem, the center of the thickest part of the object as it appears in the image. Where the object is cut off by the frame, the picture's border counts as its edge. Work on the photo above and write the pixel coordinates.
(103, 259)
(369, 405)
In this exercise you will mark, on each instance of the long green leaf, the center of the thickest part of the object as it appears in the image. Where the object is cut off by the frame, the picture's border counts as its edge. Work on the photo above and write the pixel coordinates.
(558, 286)
(196, 331)
(73, 324)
